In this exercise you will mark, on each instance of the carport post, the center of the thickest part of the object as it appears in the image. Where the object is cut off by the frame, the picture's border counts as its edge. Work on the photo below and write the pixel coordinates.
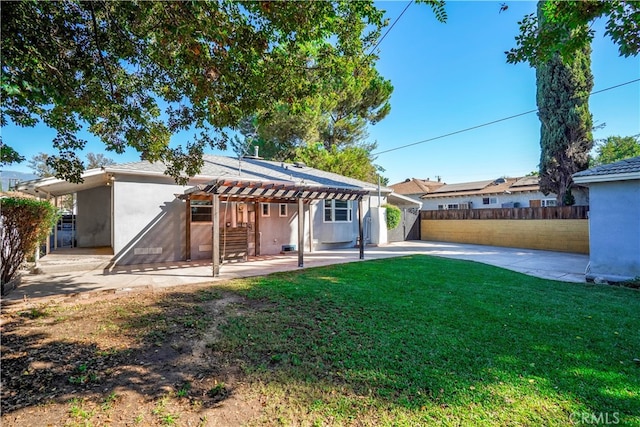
(360, 227)
(300, 233)
(215, 233)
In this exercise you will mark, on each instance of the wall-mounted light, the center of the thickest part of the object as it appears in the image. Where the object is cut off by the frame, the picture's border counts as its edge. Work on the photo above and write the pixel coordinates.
(110, 179)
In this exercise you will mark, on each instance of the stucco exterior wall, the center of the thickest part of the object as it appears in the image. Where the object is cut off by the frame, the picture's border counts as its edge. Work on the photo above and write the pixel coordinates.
(93, 219)
(614, 227)
(148, 220)
(276, 230)
(569, 235)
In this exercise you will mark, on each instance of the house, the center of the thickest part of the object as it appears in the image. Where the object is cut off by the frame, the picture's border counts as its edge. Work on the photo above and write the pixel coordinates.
(237, 207)
(495, 193)
(614, 220)
(415, 188)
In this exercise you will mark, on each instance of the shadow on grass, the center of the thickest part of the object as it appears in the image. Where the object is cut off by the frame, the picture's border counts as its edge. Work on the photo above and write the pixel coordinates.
(153, 347)
(400, 341)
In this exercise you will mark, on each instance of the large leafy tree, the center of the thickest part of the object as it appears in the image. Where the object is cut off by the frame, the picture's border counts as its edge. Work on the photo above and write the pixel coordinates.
(563, 90)
(134, 73)
(352, 161)
(337, 123)
(616, 148)
(568, 29)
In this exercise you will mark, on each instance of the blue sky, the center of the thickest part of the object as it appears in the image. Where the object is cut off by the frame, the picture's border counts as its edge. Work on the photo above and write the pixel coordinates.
(449, 77)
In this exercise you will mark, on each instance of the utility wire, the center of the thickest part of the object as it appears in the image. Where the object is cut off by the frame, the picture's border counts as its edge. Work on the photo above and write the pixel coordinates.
(492, 122)
(390, 28)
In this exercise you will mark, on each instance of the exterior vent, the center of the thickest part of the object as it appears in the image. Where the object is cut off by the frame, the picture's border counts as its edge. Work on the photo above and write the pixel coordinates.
(299, 164)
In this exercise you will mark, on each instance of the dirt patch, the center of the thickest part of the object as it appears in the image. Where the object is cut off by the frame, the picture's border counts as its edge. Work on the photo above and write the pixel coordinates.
(143, 359)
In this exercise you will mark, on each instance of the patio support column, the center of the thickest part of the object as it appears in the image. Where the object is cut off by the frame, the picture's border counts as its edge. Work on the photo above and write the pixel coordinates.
(258, 213)
(310, 227)
(188, 230)
(55, 229)
(215, 233)
(300, 233)
(360, 227)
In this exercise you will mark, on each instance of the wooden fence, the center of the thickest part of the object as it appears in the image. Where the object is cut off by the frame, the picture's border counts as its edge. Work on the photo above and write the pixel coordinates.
(559, 212)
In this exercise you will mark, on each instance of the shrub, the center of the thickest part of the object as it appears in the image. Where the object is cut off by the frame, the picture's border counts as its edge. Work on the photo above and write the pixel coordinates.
(393, 216)
(24, 223)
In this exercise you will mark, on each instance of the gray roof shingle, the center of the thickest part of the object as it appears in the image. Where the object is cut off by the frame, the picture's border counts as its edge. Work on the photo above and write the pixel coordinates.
(625, 166)
(223, 167)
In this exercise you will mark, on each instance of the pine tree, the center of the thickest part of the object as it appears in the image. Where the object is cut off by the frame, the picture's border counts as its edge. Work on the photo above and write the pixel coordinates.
(563, 89)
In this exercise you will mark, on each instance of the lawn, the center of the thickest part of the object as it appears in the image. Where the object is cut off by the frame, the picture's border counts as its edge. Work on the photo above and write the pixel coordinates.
(407, 341)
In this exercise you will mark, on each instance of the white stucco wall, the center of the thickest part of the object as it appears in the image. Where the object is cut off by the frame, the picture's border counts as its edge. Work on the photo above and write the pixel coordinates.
(614, 230)
(148, 220)
(93, 218)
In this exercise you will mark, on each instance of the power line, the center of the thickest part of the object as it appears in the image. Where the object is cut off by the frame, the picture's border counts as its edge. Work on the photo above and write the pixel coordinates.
(390, 28)
(491, 122)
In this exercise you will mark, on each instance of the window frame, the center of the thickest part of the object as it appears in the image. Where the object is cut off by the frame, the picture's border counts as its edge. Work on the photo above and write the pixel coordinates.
(286, 210)
(262, 210)
(199, 206)
(332, 211)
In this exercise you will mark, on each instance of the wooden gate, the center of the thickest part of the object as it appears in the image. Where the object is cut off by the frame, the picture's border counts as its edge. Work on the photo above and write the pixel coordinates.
(409, 227)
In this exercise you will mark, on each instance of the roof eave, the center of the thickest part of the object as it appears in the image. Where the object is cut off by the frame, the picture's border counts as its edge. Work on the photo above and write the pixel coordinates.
(588, 179)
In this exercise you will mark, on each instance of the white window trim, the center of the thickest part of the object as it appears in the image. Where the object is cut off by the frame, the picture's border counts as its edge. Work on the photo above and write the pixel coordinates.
(286, 212)
(333, 212)
(262, 213)
(545, 203)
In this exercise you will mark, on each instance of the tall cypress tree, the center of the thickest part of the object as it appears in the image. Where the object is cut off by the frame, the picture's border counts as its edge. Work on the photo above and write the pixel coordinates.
(563, 90)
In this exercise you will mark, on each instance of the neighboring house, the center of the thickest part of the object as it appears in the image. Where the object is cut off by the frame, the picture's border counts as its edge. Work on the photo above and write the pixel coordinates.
(145, 217)
(415, 188)
(497, 193)
(614, 220)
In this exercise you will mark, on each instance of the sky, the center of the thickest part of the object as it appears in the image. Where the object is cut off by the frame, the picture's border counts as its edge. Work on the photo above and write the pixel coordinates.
(447, 78)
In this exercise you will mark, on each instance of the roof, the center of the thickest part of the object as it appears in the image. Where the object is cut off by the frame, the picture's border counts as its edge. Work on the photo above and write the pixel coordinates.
(416, 186)
(623, 170)
(478, 188)
(214, 168)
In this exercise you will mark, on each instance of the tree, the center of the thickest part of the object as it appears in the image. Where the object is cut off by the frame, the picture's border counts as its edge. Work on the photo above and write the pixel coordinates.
(8, 155)
(338, 122)
(111, 65)
(565, 137)
(98, 160)
(567, 29)
(39, 164)
(353, 161)
(24, 223)
(616, 148)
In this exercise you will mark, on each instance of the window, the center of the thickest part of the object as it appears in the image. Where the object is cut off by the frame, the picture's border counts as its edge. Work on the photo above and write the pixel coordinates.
(266, 211)
(337, 211)
(201, 210)
(282, 209)
(548, 202)
(453, 206)
(489, 201)
(440, 207)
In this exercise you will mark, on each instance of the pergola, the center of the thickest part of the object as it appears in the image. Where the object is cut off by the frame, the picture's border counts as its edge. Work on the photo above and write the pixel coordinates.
(228, 190)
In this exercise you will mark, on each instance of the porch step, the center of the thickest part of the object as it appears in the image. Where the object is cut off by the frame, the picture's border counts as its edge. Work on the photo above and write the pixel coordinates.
(62, 261)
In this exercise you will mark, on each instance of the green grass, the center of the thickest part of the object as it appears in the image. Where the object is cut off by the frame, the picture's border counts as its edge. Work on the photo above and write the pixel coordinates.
(429, 341)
